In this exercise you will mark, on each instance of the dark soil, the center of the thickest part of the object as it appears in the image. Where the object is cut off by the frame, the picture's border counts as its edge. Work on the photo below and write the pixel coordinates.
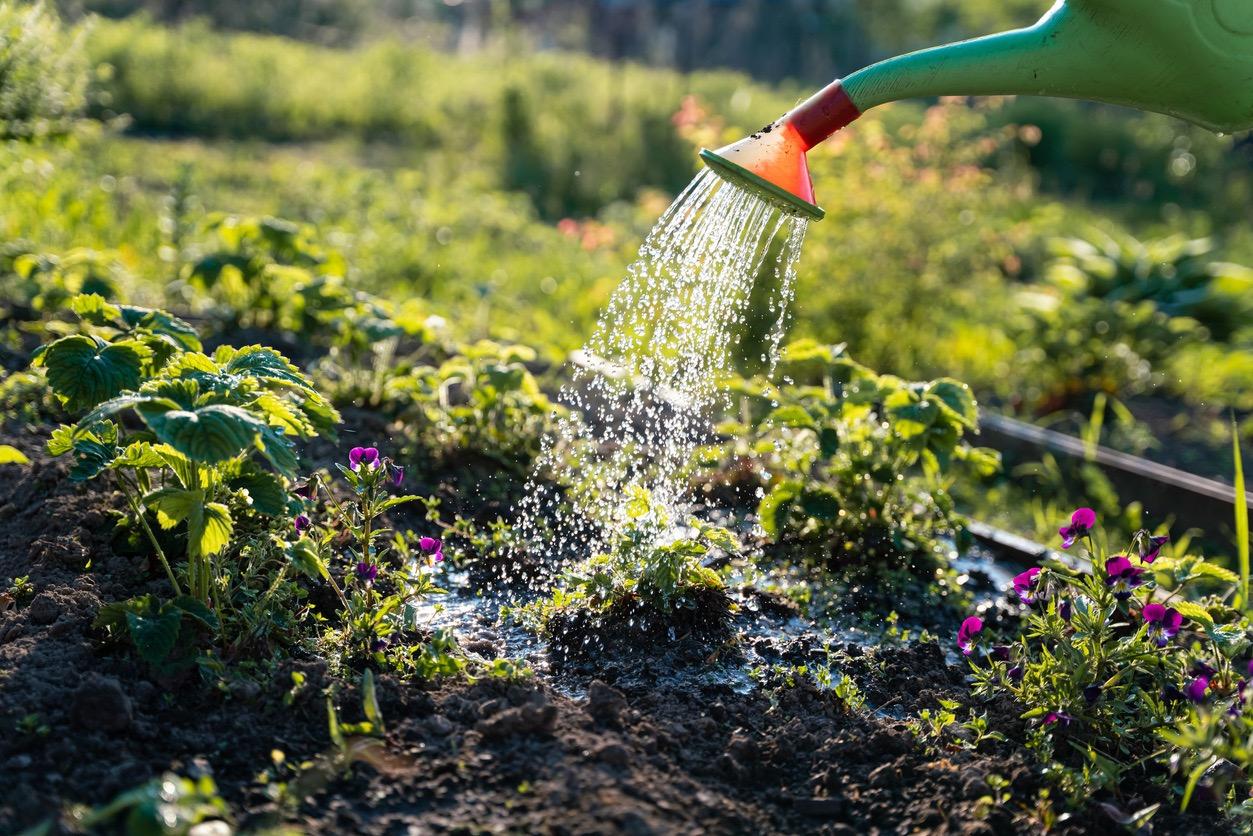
(649, 741)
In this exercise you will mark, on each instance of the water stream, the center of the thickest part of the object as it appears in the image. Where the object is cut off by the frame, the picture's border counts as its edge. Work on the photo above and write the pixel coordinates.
(646, 383)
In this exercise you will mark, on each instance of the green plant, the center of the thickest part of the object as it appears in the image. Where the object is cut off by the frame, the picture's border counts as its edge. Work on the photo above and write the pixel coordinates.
(385, 578)
(646, 577)
(40, 284)
(1110, 659)
(851, 459)
(205, 419)
(167, 806)
(43, 72)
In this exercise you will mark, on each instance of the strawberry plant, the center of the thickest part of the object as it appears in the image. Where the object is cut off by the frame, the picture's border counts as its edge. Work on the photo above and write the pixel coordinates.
(852, 459)
(212, 437)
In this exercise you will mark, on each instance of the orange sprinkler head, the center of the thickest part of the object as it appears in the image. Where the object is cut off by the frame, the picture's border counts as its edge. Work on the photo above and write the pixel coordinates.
(772, 161)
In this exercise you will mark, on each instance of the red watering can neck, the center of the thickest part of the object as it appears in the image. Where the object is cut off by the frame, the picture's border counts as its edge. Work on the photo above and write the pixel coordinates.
(822, 114)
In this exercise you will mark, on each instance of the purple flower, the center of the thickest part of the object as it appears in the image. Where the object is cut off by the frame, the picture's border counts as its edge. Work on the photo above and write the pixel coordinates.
(1237, 705)
(1149, 547)
(398, 475)
(1092, 693)
(366, 573)
(1202, 669)
(1023, 584)
(1121, 576)
(1081, 522)
(306, 490)
(1064, 610)
(367, 456)
(433, 548)
(302, 523)
(1059, 717)
(1164, 622)
(1015, 673)
(378, 645)
(1195, 689)
(970, 628)
(1000, 653)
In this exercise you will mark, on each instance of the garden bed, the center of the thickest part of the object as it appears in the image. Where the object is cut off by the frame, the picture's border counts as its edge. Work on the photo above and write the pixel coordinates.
(673, 737)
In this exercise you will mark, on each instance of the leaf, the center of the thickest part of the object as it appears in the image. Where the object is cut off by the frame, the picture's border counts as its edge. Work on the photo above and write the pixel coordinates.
(821, 503)
(956, 399)
(828, 441)
(370, 700)
(93, 308)
(197, 609)
(393, 501)
(773, 506)
(792, 416)
(305, 559)
(160, 322)
(1194, 612)
(173, 505)
(154, 634)
(83, 371)
(268, 494)
(207, 434)
(12, 455)
(261, 362)
(215, 529)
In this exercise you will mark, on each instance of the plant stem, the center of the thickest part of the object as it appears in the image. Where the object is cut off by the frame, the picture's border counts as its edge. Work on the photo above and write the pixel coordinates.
(152, 538)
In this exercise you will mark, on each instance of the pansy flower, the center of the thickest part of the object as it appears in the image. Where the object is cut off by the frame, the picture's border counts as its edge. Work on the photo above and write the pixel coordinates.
(301, 523)
(398, 475)
(1023, 584)
(1164, 622)
(1060, 718)
(1000, 653)
(1064, 610)
(367, 573)
(1081, 522)
(1121, 576)
(432, 548)
(1148, 546)
(1196, 688)
(970, 628)
(1092, 694)
(1015, 673)
(368, 456)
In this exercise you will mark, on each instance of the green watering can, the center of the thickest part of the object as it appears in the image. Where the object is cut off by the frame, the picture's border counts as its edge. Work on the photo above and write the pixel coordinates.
(1188, 58)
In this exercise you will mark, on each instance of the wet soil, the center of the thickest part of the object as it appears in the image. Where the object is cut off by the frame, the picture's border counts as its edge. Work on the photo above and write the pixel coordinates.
(672, 737)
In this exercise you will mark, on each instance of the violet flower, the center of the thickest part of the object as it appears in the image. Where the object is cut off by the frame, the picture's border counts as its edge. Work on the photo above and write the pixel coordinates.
(433, 548)
(1000, 653)
(970, 628)
(1059, 717)
(1092, 693)
(1064, 610)
(1081, 522)
(1202, 669)
(367, 573)
(398, 475)
(301, 523)
(1164, 622)
(1015, 673)
(1023, 584)
(1196, 688)
(367, 456)
(1147, 546)
(1122, 577)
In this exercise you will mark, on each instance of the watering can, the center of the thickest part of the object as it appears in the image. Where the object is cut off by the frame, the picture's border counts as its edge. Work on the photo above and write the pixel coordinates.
(1188, 58)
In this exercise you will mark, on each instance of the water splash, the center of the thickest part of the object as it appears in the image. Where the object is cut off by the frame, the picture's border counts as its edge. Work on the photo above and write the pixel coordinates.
(645, 384)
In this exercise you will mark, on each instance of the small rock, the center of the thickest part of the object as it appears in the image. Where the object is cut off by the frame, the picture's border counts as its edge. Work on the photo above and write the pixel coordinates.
(439, 725)
(603, 702)
(101, 703)
(44, 609)
(743, 749)
(886, 775)
(614, 754)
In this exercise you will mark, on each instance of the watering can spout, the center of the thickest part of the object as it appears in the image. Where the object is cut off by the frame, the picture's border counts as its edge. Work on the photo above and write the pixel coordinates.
(1188, 58)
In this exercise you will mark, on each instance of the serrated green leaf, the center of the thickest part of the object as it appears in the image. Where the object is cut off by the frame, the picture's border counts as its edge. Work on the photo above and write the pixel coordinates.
(207, 434)
(93, 308)
(197, 609)
(215, 529)
(154, 634)
(1194, 612)
(173, 505)
(773, 506)
(791, 416)
(160, 322)
(305, 559)
(261, 362)
(84, 371)
(956, 399)
(269, 495)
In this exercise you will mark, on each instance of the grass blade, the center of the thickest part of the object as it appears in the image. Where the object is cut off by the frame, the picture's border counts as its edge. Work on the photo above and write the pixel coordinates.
(1242, 516)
